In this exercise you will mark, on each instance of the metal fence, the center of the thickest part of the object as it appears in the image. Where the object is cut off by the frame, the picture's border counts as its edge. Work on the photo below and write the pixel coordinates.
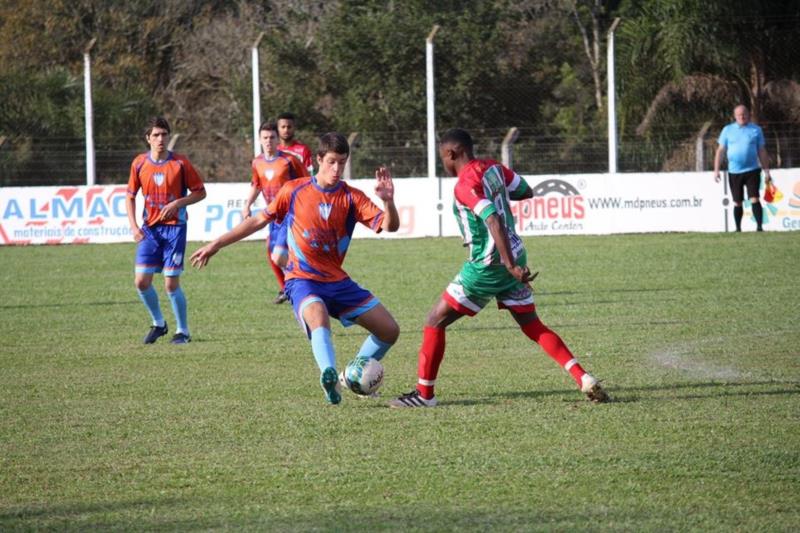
(32, 162)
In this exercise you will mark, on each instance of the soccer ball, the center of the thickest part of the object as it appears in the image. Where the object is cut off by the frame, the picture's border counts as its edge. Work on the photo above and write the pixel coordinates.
(362, 376)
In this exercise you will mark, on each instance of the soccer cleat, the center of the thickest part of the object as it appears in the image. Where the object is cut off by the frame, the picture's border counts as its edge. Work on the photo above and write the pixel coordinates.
(155, 333)
(280, 298)
(413, 399)
(181, 338)
(330, 384)
(593, 390)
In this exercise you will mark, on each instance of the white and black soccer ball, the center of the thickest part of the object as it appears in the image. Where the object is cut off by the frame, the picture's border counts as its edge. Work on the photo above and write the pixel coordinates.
(362, 376)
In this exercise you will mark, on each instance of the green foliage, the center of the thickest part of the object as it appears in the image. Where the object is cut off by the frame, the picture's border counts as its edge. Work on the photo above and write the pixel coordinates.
(231, 432)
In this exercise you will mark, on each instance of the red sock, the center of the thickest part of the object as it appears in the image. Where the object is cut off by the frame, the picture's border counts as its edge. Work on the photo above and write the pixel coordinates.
(431, 354)
(553, 346)
(278, 273)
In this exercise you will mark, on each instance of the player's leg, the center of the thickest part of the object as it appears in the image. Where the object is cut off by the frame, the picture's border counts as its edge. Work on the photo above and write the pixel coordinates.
(148, 262)
(737, 194)
(752, 182)
(315, 315)
(383, 332)
(277, 256)
(174, 250)
(461, 298)
(555, 347)
(308, 302)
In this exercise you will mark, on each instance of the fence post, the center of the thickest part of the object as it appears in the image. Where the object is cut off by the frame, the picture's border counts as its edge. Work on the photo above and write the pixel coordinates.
(173, 140)
(430, 100)
(88, 113)
(507, 148)
(352, 140)
(699, 148)
(256, 96)
(612, 100)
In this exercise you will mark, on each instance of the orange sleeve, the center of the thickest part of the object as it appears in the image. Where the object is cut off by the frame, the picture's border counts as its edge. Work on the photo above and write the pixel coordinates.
(193, 181)
(254, 174)
(299, 170)
(367, 212)
(134, 184)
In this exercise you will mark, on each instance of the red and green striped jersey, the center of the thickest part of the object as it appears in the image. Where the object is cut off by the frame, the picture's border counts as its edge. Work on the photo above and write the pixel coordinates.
(486, 187)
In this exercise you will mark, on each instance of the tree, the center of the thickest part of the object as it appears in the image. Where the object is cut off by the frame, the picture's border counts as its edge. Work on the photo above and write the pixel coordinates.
(703, 57)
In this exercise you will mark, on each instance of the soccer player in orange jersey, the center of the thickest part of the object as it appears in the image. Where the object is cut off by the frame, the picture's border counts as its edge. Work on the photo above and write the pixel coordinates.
(271, 170)
(321, 213)
(286, 123)
(169, 183)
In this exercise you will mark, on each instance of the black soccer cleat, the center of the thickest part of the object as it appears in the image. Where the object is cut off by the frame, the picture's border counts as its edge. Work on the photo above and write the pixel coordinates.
(412, 399)
(154, 333)
(280, 298)
(181, 338)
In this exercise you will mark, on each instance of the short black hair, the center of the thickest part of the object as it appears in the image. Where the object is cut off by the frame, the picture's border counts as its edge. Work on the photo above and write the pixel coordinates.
(333, 142)
(287, 116)
(458, 136)
(268, 125)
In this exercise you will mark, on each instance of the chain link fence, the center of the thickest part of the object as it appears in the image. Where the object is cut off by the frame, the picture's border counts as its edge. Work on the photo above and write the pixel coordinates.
(33, 162)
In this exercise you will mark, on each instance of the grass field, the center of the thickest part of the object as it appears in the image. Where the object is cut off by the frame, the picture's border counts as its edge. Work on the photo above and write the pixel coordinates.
(696, 336)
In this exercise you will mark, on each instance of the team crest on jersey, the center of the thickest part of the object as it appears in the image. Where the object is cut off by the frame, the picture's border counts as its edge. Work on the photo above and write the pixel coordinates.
(325, 210)
(158, 177)
(269, 173)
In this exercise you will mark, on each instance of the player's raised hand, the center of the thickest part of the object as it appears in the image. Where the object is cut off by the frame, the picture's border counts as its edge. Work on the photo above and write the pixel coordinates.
(384, 186)
(202, 255)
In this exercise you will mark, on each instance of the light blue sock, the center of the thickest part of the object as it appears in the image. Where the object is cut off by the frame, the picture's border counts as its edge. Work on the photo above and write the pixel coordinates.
(322, 347)
(178, 300)
(373, 347)
(149, 297)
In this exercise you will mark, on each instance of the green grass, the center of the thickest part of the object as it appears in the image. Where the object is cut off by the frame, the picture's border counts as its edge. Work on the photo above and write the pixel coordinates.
(696, 336)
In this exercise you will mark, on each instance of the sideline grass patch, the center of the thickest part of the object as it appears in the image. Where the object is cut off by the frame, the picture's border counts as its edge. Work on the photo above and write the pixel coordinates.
(695, 335)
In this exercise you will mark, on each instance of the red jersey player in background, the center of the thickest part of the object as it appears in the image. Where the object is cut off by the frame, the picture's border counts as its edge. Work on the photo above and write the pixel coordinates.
(271, 170)
(495, 270)
(286, 123)
(321, 213)
(169, 183)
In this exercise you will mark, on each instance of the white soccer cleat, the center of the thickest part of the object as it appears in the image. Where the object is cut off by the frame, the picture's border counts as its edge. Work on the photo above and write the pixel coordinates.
(412, 399)
(593, 390)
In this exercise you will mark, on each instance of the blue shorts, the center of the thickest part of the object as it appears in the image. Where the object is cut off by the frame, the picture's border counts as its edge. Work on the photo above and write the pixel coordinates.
(277, 238)
(345, 300)
(162, 249)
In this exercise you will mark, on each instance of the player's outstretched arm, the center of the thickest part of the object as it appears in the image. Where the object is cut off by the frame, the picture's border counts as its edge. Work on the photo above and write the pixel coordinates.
(384, 189)
(245, 228)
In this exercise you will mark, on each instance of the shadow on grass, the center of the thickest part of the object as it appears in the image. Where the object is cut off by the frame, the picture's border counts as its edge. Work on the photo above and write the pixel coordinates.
(71, 305)
(676, 391)
(68, 512)
(410, 516)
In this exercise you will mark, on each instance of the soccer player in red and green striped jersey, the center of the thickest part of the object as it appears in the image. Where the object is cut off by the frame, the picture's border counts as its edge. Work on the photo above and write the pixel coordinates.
(496, 268)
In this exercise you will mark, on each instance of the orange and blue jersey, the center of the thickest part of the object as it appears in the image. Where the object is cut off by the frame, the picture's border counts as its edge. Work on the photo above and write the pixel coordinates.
(320, 225)
(270, 173)
(162, 182)
(301, 152)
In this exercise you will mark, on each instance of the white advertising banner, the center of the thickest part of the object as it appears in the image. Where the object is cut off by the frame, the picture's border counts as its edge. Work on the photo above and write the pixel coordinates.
(582, 204)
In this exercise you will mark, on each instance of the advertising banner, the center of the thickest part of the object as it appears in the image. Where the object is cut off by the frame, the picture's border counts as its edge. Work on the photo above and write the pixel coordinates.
(579, 204)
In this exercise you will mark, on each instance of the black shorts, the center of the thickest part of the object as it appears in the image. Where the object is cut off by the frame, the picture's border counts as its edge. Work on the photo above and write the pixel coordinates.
(750, 179)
